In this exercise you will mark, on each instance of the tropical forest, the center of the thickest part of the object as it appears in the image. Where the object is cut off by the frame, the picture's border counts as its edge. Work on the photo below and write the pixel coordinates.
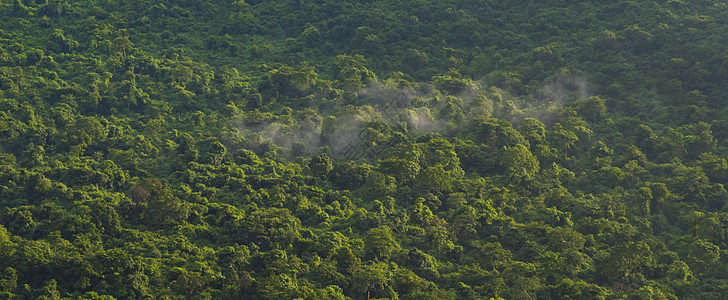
(370, 149)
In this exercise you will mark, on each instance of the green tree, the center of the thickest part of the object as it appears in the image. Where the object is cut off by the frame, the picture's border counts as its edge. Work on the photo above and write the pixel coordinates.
(105, 218)
(347, 261)
(433, 180)
(561, 138)
(380, 242)
(374, 278)
(534, 131)
(214, 151)
(320, 166)
(154, 203)
(497, 133)
(407, 282)
(351, 71)
(49, 291)
(270, 227)
(8, 281)
(189, 283)
(84, 131)
(519, 162)
(551, 265)
(627, 265)
(593, 109)
(289, 82)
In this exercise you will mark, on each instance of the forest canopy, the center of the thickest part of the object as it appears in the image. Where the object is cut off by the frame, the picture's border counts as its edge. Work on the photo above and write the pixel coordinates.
(188, 149)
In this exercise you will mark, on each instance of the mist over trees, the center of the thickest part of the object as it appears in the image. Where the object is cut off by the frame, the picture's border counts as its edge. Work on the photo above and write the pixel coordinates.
(363, 150)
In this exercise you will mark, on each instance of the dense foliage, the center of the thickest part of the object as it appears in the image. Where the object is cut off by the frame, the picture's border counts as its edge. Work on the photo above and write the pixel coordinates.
(383, 149)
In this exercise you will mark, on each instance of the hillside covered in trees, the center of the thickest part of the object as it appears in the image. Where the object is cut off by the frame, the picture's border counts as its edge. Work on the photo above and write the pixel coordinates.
(378, 149)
